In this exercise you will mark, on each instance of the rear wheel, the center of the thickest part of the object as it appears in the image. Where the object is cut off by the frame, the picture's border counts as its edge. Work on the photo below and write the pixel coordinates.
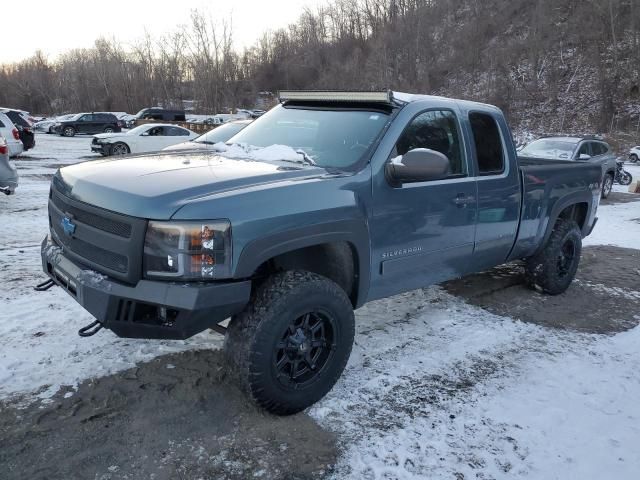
(69, 131)
(119, 148)
(108, 130)
(553, 269)
(633, 158)
(290, 345)
(607, 185)
(625, 178)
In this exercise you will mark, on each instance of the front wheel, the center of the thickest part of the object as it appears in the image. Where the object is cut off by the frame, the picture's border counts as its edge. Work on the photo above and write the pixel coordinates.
(553, 269)
(69, 131)
(633, 158)
(607, 185)
(119, 148)
(290, 345)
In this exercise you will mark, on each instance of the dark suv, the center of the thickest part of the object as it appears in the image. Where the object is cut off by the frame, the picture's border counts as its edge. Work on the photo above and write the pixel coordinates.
(25, 129)
(161, 114)
(92, 123)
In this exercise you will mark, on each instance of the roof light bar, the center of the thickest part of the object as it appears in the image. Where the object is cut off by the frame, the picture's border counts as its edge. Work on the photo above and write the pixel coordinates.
(335, 96)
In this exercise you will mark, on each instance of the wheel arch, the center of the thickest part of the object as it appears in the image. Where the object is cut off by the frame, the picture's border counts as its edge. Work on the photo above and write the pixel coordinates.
(339, 251)
(575, 207)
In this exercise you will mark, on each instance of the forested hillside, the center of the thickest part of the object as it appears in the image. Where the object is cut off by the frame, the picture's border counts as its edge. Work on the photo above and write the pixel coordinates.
(554, 65)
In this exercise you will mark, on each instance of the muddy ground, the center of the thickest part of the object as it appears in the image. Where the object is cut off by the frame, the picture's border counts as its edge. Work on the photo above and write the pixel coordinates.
(594, 303)
(178, 417)
(175, 417)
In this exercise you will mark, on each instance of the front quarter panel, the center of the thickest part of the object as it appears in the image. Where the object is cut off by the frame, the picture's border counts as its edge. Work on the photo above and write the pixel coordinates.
(271, 219)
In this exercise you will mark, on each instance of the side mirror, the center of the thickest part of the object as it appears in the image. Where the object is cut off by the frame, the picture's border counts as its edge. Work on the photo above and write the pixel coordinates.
(419, 165)
(584, 156)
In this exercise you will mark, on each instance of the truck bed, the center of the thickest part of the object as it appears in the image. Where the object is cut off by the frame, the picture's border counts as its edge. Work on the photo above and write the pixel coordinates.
(546, 186)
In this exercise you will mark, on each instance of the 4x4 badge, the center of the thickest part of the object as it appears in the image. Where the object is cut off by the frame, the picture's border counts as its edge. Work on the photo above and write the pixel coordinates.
(68, 226)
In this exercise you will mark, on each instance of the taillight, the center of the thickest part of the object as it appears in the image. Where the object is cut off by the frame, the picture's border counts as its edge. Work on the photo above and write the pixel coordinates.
(4, 149)
(16, 133)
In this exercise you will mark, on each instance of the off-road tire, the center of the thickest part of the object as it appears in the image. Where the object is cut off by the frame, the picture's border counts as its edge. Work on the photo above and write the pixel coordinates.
(68, 132)
(253, 336)
(547, 271)
(607, 185)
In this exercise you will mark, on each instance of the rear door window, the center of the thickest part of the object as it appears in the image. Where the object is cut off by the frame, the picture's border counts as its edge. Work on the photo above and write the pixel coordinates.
(488, 143)
(177, 132)
(598, 148)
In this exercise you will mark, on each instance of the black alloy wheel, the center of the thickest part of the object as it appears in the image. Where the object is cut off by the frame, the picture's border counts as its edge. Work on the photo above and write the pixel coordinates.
(304, 349)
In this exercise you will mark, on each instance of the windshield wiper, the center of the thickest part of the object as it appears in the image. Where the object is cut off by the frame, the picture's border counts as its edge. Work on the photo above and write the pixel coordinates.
(307, 159)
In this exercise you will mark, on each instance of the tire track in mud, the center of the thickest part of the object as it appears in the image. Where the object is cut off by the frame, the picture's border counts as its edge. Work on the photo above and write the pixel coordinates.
(173, 417)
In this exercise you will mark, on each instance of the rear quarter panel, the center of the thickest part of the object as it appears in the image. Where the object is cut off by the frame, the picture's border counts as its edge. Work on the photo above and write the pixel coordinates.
(548, 188)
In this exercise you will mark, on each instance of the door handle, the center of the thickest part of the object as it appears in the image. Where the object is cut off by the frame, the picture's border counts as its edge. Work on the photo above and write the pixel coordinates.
(463, 200)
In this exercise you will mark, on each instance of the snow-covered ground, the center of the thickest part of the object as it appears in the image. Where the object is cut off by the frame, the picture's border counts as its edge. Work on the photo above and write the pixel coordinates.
(435, 388)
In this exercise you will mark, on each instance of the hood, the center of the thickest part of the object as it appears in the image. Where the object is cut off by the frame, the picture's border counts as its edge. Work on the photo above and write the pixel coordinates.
(102, 136)
(156, 186)
(189, 146)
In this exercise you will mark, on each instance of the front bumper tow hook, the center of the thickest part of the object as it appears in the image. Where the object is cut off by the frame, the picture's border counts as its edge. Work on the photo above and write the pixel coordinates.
(91, 329)
(46, 285)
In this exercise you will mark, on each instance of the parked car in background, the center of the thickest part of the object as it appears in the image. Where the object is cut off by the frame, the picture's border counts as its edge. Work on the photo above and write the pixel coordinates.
(91, 123)
(11, 134)
(25, 128)
(48, 124)
(221, 134)
(157, 113)
(634, 154)
(150, 137)
(8, 173)
(584, 149)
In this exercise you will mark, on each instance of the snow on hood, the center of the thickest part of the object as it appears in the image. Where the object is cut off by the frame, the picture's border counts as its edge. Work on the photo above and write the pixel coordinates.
(272, 153)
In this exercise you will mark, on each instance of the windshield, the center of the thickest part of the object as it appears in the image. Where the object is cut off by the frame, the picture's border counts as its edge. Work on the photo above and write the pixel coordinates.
(331, 138)
(221, 134)
(547, 148)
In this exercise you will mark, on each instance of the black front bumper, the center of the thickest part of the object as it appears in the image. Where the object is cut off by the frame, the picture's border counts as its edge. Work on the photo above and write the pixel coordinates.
(160, 310)
(100, 148)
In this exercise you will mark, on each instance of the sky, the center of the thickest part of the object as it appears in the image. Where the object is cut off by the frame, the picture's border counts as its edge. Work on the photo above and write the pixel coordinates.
(55, 27)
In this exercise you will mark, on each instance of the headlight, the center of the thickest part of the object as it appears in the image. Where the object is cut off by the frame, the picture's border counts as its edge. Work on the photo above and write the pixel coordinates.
(188, 250)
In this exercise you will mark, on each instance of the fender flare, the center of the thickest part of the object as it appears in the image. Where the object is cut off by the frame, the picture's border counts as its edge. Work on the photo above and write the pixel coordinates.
(354, 232)
(567, 201)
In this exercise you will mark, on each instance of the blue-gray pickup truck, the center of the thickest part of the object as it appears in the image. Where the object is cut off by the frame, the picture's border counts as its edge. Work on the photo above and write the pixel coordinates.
(328, 201)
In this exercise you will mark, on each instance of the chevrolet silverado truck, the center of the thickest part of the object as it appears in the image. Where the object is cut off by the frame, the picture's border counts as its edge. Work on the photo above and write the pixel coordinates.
(328, 201)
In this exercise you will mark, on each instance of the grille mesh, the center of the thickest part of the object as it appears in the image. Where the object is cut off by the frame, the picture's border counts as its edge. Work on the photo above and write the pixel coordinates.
(121, 229)
(93, 253)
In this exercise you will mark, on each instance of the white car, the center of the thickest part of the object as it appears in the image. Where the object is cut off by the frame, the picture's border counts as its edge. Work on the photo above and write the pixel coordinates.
(634, 154)
(150, 137)
(9, 131)
(220, 134)
(8, 173)
(48, 125)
